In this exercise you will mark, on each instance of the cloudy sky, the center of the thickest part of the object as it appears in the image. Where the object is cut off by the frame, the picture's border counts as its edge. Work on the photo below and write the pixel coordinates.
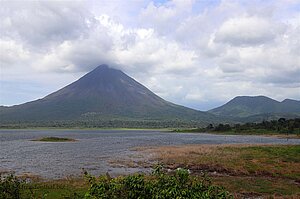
(197, 53)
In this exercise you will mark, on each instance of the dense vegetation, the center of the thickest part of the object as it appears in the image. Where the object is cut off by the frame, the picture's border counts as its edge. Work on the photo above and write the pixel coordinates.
(10, 187)
(281, 126)
(114, 123)
(158, 185)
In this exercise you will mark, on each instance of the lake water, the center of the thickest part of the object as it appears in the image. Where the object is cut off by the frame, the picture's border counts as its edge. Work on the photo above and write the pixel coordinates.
(95, 148)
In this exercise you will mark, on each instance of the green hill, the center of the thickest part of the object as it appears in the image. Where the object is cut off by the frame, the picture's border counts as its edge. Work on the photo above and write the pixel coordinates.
(257, 108)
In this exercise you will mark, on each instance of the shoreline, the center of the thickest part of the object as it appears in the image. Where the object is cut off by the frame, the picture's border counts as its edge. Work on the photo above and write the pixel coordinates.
(88, 129)
(276, 135)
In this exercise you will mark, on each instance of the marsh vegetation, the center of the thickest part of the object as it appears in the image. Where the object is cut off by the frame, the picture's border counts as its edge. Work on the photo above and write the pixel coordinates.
(54, 139)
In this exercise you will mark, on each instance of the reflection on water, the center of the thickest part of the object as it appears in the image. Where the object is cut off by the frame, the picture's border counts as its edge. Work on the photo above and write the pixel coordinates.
(95, 148)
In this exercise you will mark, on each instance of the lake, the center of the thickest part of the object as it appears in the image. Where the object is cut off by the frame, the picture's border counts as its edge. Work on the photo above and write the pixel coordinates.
(95, 148)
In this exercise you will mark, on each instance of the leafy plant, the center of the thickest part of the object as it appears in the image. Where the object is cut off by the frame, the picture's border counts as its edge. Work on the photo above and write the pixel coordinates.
(10, 187)
(159, 185)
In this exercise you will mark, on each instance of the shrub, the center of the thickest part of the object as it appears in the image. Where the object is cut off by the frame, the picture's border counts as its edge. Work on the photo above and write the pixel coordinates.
(10, 187)
(159, 185)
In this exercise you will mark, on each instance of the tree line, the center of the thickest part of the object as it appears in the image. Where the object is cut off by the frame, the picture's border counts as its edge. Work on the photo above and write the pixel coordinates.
(282, 125)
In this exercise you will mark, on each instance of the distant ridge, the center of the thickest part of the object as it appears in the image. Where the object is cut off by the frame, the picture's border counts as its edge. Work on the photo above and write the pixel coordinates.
(257, 107)
(102, 94)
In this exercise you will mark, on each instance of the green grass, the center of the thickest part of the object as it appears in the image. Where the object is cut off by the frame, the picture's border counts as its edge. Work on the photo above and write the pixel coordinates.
(54, 139)
(258, 185)
(281, 161)
(55, 189)
(51, 193)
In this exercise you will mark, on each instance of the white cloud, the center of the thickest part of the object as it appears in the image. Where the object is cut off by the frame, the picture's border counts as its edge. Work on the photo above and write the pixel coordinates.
(12, 53)
(248, 31)
(196, 53)
(41, 23)
(164, 18)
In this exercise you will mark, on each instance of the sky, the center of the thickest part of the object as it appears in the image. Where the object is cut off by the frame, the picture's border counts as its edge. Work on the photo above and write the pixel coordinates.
(196, 53)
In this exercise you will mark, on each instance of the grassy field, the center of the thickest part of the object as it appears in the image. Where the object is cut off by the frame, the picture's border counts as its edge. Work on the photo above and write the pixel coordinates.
(242, 169)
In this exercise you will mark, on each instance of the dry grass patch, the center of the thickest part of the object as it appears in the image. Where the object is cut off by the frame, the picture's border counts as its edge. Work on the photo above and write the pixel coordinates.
(268, 160)
(259, 171)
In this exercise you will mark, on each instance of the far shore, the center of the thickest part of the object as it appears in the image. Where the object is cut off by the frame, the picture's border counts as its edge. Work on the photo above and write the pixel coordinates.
(277, 135)
(169, 130)
(91, 129)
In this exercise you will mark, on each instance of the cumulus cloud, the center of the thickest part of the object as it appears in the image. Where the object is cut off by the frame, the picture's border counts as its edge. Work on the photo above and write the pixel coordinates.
(40, 23)
(164, 17)
(12, 53)
(195, 53)
(247, 31)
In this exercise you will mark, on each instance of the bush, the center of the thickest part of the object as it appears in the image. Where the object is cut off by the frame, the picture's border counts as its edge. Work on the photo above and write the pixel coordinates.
(10, 187)
(159, 185)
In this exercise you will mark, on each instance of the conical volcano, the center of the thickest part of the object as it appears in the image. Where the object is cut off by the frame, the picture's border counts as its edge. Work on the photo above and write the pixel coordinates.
(102, 94)
(109, 91)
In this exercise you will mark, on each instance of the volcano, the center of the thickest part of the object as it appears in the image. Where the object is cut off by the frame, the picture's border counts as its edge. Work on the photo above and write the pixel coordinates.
(102, 94)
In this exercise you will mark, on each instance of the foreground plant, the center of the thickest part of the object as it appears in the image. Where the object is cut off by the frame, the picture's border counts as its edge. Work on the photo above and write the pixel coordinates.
(158, 185)
(10, 187)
